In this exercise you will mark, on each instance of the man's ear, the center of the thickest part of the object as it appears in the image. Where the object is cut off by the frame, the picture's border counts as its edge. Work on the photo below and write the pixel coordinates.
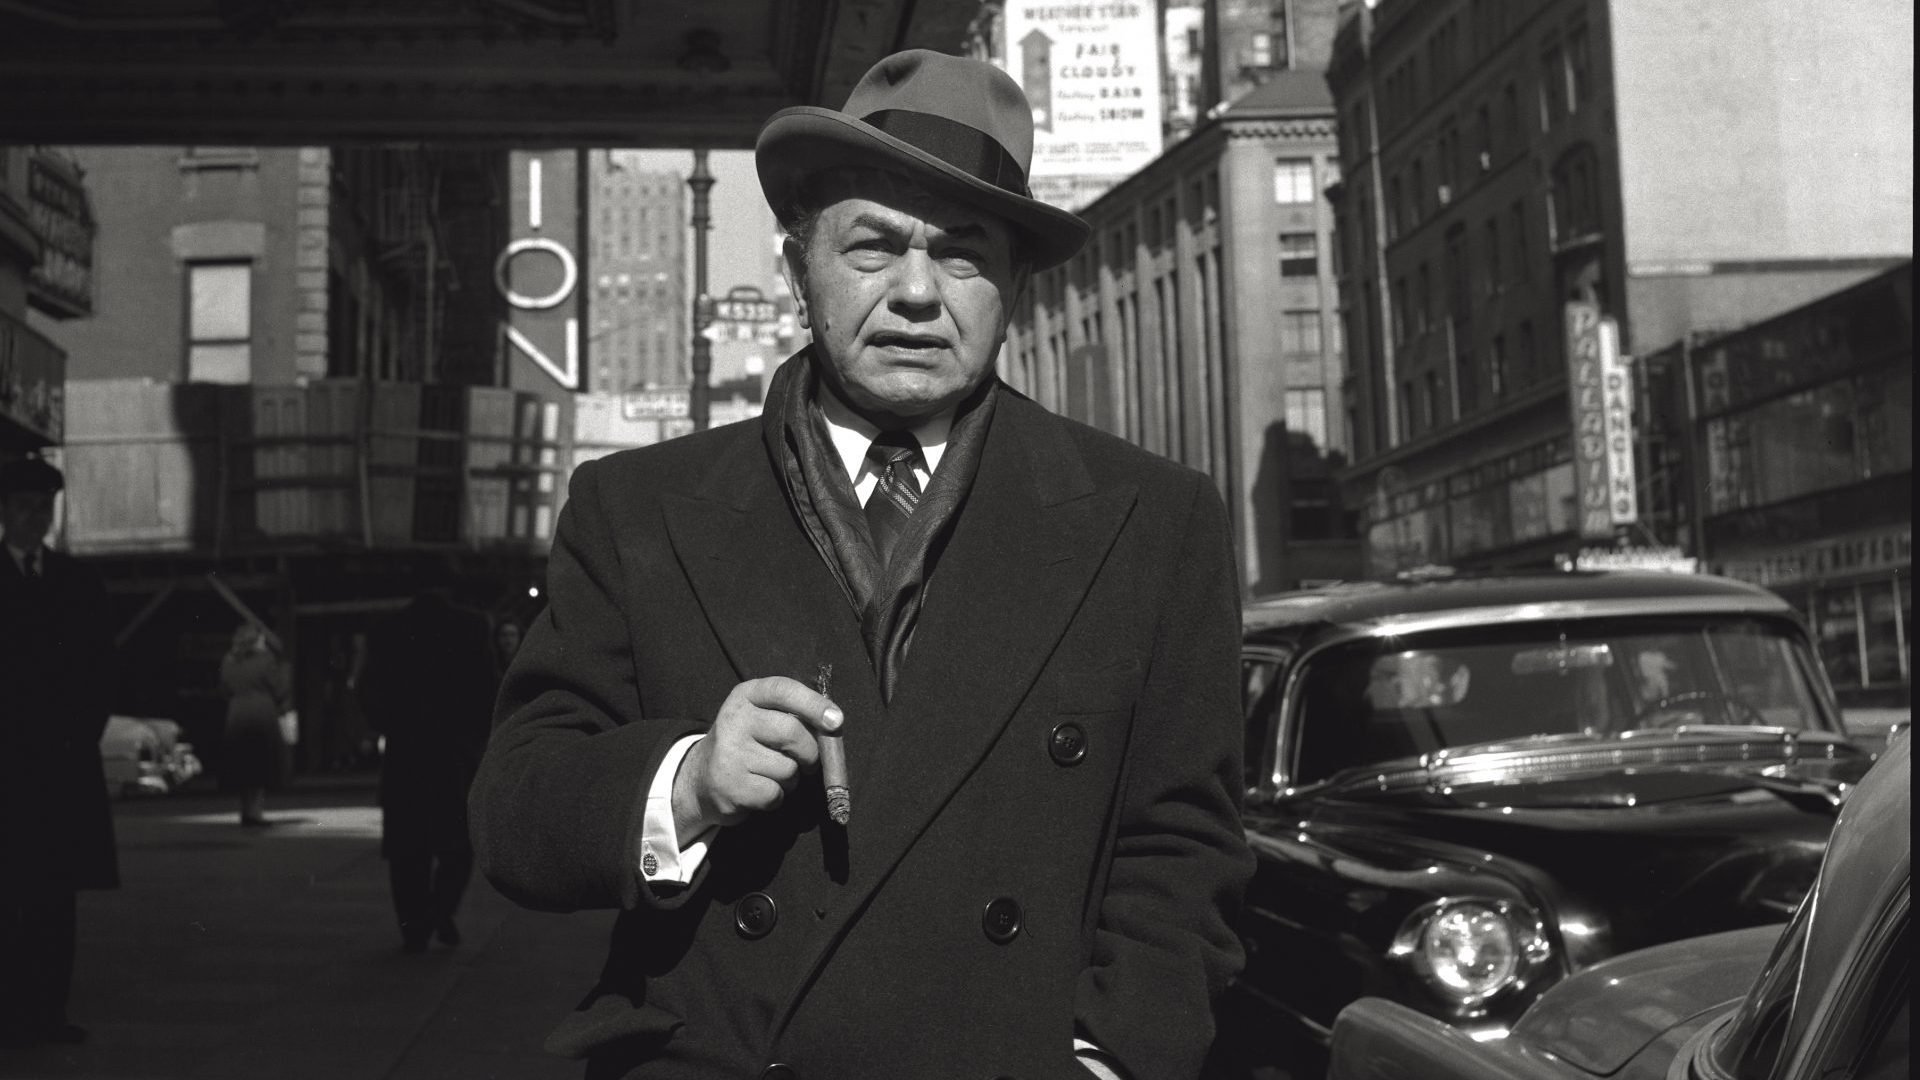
(793, 267)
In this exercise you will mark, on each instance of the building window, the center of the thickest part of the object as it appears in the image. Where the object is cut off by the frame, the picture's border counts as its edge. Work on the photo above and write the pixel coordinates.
(220, 322)
(1417, 198)
(1430, 408)
(1529, 363)
(1293, 181)
(1397, 303)
(1300, 331)
(1394, 206)
(1260, 55)
(1307, 414)
(1409, 404)
(1519, 230)
(1299, 255)
(1493, 277)
(1422, 300)
(1497, 367)
(1578, 85)
(1510, 116)
(1553, 87)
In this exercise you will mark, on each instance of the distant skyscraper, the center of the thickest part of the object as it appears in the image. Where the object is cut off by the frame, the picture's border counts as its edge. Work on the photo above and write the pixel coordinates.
(639, 311)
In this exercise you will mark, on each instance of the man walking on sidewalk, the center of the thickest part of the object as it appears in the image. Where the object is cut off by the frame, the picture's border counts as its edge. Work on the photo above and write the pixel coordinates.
(56, 829)
(428, 686)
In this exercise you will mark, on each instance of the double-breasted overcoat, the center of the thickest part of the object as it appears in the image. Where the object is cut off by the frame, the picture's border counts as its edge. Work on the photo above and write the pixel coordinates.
(1045, 842)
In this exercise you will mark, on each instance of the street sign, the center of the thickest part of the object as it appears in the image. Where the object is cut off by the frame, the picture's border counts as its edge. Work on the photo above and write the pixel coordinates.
(671, 404)
(745, 304)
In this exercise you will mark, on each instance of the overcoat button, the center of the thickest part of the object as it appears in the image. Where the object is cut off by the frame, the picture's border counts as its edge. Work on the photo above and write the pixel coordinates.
(1001, 920)
(777, 1071)
(754, 916)
(1067, 744)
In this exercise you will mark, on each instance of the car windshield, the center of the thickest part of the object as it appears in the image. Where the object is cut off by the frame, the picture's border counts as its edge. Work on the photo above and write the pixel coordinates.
(1383, 698)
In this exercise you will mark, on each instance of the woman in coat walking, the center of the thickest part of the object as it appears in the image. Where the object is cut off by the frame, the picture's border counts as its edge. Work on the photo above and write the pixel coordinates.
(258, 690)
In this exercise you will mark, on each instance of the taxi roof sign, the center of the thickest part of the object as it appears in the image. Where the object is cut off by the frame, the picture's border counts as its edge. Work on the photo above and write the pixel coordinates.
(1668, 559)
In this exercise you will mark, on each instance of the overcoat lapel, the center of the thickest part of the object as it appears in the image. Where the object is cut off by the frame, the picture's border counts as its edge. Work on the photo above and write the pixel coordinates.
(1025, 548)
(774, 606)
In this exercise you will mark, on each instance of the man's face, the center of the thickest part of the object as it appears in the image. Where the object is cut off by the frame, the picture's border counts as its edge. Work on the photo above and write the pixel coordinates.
(908, 296)
(25, 517)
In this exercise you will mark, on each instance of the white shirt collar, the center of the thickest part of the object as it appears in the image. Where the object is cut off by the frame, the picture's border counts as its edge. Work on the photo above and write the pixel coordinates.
(853, 434)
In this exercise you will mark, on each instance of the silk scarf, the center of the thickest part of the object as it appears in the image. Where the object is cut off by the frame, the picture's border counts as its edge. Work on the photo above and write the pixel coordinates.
(886, 599)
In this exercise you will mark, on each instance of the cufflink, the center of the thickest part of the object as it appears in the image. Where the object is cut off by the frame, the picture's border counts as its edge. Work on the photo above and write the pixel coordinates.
(649, 865)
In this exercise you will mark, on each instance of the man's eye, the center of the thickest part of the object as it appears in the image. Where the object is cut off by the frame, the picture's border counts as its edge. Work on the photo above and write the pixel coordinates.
(962, 259)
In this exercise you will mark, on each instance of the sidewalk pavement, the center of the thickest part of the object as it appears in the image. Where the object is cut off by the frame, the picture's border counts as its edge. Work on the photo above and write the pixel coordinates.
(271, 954)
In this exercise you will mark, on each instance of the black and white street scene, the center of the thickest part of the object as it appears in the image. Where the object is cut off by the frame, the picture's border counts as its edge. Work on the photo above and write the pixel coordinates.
(956, 539)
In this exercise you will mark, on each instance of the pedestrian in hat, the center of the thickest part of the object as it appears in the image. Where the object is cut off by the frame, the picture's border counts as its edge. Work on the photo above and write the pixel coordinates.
(1019, 634)
(56, 829)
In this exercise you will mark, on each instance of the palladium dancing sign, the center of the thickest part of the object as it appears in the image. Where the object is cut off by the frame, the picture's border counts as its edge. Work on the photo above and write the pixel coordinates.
(1600, 392)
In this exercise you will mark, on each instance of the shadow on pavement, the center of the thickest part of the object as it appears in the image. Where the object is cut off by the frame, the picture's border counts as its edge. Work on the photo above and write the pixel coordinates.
(233, 953)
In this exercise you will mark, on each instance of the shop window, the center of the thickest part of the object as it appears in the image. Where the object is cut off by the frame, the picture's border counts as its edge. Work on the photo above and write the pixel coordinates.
(1883, 624)
(220, 322)
(1836, 625)
(1562, 502)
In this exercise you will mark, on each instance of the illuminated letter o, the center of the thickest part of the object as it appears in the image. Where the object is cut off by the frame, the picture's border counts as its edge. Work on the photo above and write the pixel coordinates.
(569, 273)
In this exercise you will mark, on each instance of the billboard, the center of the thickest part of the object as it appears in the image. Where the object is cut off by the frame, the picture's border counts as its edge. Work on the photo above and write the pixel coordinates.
(1091, 71)
(1600, 393)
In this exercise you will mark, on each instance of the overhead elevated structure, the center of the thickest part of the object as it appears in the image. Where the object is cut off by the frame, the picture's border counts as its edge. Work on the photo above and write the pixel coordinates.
(501, 72)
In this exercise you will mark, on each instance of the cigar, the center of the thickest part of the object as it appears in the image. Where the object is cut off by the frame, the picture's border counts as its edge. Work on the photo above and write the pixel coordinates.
(833, 760)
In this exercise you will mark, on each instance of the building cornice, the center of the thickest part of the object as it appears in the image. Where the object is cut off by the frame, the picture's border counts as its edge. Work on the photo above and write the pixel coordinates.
(1318, 127)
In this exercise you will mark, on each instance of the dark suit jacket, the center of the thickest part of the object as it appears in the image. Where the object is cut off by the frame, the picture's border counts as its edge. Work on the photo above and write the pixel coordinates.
(56, 681)
(1086, 583)
(429, 686)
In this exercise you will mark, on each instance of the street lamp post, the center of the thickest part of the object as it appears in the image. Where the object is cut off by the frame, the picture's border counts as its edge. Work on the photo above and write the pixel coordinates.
(701, 181)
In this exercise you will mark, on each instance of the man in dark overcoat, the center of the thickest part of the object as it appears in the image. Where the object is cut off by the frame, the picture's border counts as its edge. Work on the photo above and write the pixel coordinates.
(429, 686)
(56, 828)
(1031, 630)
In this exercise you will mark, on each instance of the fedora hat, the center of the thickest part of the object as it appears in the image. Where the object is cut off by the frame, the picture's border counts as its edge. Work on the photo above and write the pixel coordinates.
(962, 127)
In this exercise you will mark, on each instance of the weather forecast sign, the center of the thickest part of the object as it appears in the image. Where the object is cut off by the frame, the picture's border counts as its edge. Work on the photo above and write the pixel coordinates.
(1091, 71)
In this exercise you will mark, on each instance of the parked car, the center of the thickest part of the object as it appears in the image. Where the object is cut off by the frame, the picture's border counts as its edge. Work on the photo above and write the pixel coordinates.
(1827, 997)
(145, 756)
(1463, 790)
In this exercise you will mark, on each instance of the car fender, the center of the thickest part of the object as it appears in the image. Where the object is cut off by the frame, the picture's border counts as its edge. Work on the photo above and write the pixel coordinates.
(1377, 1039)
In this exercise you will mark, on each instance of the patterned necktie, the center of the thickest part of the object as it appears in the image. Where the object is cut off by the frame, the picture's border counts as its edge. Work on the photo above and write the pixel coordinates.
(897, 492)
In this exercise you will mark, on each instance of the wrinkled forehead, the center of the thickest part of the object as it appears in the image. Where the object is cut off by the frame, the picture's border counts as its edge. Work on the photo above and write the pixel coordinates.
(848, 194)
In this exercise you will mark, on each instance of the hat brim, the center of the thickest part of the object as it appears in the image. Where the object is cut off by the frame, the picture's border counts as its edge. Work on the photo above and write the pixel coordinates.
(805, 139)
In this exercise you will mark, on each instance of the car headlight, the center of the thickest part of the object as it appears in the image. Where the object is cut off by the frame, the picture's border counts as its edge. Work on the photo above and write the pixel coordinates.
(1468, 951)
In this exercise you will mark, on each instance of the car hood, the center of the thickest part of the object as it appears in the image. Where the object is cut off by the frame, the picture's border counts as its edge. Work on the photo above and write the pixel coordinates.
(1600, 1018)
(1624, 861)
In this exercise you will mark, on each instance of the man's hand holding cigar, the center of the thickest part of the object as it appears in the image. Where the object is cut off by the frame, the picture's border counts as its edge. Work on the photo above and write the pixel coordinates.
(766, 735)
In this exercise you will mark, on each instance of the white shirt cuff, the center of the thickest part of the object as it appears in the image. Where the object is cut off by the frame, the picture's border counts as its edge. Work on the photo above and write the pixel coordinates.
(663, 861)
(1098, 1061)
